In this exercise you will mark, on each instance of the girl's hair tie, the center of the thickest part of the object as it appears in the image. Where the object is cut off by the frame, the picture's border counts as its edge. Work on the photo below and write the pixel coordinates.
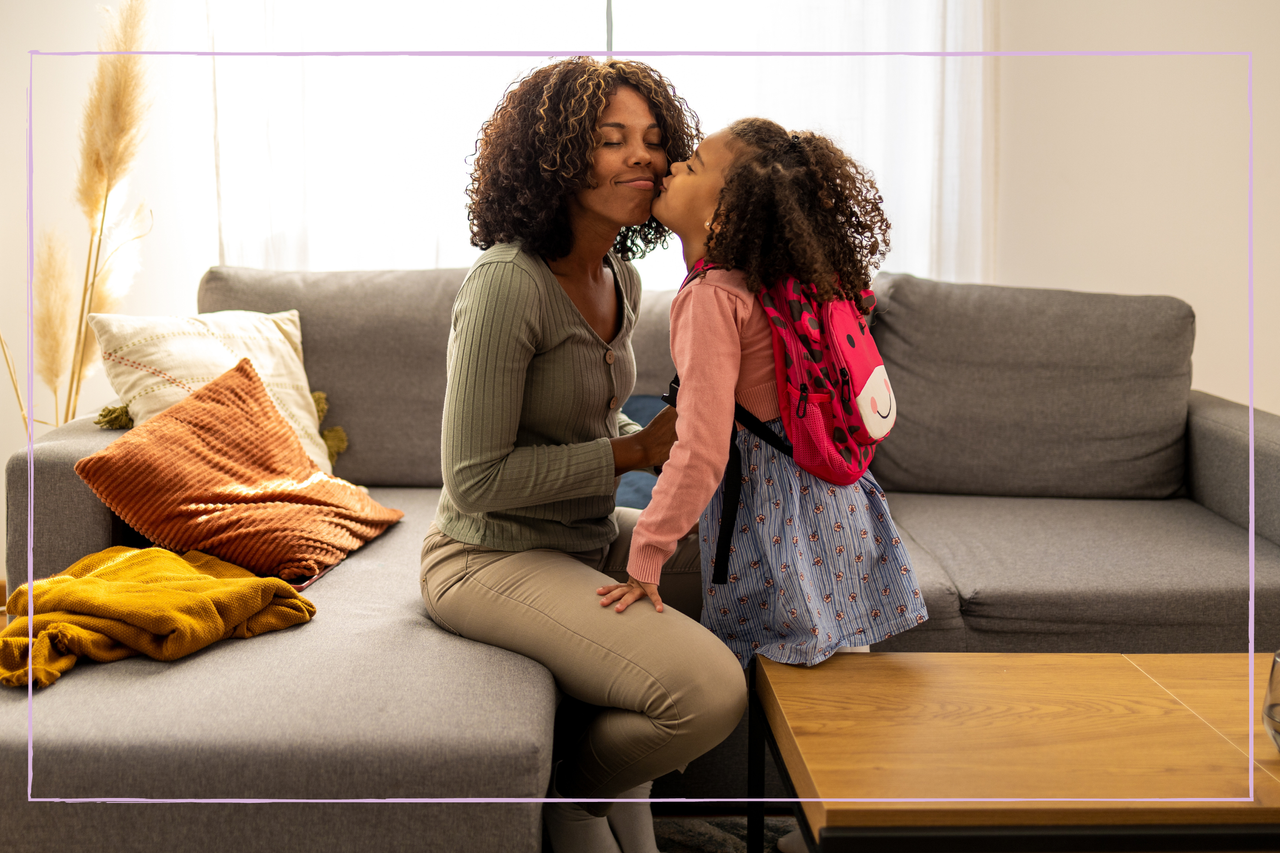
(794, 144)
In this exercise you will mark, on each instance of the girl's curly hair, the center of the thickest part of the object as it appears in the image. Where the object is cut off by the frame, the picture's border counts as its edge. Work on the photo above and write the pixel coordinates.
(537, 150)
(796, 205)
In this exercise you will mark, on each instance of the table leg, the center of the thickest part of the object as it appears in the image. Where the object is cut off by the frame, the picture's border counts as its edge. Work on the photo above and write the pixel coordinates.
(755, 765)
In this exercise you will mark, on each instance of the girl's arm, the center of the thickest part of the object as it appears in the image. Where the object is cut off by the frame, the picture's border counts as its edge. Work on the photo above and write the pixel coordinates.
(706, 323)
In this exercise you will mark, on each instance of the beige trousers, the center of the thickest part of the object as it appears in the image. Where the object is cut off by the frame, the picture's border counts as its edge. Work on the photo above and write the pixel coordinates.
(661, 689)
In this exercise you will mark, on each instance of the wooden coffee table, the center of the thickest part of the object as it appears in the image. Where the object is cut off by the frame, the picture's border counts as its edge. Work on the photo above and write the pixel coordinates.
(935, 751)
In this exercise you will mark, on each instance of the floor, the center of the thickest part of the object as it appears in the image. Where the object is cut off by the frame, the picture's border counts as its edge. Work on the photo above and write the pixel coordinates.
(715, 834)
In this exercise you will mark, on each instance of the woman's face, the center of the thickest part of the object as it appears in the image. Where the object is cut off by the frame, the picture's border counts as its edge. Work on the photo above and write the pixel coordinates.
(629, 163)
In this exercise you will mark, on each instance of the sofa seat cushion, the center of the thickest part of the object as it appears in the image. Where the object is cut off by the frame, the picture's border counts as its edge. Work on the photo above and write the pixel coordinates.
(1065, 575)
(944, 630)
(368, 700)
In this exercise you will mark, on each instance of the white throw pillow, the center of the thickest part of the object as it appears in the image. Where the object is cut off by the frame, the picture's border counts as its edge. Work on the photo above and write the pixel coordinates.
(153, 362)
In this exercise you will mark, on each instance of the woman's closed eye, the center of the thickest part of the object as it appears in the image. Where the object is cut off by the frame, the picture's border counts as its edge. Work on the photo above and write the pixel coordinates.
(614, 144)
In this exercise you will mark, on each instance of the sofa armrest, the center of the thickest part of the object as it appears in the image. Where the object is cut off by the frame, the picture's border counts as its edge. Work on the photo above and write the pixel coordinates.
(68, 519)
(1218, 461)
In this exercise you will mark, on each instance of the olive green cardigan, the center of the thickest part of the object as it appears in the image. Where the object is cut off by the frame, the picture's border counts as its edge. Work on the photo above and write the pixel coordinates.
(533, 398)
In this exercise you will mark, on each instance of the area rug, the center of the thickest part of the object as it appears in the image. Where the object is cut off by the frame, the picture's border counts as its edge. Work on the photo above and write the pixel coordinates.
(715, 834)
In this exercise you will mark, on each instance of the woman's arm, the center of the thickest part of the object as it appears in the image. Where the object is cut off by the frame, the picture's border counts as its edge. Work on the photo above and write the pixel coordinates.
(496, 318)
(495, 335)
(626, 426)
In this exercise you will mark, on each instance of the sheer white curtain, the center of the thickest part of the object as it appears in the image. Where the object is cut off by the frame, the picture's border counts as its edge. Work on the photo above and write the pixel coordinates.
(358, 162)
(361, 162)
(922, 125)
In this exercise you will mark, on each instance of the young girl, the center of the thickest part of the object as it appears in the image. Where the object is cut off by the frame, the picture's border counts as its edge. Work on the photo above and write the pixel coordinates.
(814, 567)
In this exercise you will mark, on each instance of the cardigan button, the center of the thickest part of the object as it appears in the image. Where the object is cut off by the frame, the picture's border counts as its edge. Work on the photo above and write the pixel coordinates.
(613, 403)
(609, 357)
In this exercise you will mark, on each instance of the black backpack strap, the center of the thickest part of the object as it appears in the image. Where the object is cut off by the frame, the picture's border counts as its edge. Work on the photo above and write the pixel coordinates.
(672, 391)
(728, 513)
(757, 427)
(732, 478)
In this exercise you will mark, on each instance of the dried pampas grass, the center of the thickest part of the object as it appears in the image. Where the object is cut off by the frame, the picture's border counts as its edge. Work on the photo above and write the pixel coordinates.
(112, 124)
(13, 378)
(115, 273)
(109, 136)
(110, 133)
(106, 300)
(54, 294)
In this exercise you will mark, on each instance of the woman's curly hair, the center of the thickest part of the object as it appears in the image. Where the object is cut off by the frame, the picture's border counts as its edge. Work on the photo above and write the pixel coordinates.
(796, 205)
(537, 150)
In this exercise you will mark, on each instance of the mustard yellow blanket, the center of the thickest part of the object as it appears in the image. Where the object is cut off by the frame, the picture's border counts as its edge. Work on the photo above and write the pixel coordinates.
(125, 601)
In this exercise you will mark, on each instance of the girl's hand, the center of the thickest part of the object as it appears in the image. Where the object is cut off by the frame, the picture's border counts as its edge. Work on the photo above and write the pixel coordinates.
(629, 593)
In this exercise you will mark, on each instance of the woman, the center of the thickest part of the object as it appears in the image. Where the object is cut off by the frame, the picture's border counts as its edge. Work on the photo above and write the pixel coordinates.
(533, 441)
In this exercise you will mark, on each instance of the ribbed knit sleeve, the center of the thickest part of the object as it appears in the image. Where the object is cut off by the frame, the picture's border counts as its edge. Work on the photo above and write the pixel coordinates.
(532, 401)
(495, 335)
(706, 322)
(626, 426)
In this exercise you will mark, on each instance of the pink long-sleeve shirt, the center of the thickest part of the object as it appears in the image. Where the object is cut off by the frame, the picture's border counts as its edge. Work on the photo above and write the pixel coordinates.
(723, 350)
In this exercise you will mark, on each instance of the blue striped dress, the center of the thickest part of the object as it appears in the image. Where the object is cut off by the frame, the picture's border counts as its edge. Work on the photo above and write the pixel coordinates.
(812, 566)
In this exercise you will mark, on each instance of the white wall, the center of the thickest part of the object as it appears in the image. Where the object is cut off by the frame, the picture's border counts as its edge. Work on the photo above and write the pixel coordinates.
(1116, 174)
(1130, 174)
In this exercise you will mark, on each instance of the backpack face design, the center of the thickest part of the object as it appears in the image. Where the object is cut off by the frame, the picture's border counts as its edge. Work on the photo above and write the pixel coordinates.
(877, 405)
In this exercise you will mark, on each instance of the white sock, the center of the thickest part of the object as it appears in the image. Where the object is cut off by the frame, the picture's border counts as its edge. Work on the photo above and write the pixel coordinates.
(632, 822)
(575, 830)
(792, 842)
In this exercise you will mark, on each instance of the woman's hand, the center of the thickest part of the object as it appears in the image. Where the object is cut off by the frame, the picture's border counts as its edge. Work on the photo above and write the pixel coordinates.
(659, 435)
(648, 448)
(629, 593)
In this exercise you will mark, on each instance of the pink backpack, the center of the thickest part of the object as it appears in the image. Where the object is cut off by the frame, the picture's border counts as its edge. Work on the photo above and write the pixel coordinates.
(833, 393)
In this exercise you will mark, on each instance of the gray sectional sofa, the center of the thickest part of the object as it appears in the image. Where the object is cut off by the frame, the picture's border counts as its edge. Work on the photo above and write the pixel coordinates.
(1058, 485)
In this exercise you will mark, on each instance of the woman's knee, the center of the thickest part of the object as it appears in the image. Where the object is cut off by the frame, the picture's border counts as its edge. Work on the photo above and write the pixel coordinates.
(732, 691)
(717, 696)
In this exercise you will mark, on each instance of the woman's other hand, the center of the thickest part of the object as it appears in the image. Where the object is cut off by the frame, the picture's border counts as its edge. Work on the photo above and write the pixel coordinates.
(659, 435)
(626, 594)
(648, 448)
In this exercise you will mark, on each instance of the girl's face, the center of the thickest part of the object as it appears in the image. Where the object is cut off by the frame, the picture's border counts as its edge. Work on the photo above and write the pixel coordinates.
(688, 196)
(629, 160)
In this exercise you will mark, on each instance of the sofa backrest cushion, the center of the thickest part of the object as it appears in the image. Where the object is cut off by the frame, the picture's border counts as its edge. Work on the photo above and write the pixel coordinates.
(375, 343)
(1032, 392)
(651, 343)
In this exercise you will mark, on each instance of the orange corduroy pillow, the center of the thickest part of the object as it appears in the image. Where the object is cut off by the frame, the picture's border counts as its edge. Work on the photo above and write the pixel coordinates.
(221, 472)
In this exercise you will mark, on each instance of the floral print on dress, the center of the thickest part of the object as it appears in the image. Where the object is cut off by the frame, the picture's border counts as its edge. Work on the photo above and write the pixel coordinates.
(788, 523)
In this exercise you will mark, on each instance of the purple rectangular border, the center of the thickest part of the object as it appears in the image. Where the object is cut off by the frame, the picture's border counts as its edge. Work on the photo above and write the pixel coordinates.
(31, 413)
